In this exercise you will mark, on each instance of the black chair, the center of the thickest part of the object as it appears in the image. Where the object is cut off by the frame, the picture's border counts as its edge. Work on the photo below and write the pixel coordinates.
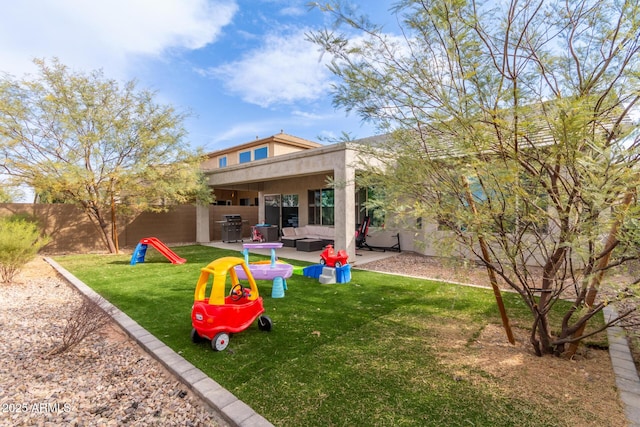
(361, 233)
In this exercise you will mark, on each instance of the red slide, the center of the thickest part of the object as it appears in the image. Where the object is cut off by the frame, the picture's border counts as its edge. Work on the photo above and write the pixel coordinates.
(163, 249)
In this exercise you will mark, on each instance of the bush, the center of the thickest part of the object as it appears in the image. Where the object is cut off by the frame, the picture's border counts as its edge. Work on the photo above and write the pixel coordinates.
(20, 241)
(86, 319)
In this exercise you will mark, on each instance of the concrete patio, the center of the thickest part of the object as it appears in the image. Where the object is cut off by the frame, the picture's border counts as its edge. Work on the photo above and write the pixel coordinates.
(363, 256)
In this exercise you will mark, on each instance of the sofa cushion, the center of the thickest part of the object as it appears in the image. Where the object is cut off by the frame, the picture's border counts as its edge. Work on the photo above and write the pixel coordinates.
(316, 232)
(288, 232)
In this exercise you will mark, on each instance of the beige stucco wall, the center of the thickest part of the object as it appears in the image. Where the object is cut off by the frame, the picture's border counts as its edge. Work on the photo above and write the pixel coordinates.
(277, 145)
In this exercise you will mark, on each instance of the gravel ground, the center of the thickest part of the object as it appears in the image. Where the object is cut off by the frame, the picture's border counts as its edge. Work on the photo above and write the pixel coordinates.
(107, 380)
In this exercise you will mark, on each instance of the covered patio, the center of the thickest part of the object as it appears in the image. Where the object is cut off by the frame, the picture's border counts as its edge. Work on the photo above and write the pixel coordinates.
(297, 174)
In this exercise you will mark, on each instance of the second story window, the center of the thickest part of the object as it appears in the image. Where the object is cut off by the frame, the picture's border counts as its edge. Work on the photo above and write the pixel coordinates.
(256, 154)
(222, 162)
(244, 157)
(260, 153)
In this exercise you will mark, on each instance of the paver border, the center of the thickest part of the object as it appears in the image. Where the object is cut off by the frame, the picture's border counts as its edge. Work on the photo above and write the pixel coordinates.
(229, 407)
(624, 368)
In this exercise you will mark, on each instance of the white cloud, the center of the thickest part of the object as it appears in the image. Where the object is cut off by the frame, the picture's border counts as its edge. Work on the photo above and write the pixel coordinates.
(105, 33)
(243, 132)
(293, 11)
(306, 115)
(284, 70)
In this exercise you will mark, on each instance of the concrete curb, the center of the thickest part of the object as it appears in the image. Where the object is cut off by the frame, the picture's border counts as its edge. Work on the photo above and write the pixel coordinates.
(627, 379)
(228, 406)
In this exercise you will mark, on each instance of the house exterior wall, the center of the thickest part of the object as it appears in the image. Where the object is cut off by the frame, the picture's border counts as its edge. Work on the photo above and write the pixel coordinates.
(276, 145)
(301, 171)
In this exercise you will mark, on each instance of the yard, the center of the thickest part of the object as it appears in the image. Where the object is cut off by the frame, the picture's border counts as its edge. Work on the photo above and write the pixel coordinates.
(379, 350)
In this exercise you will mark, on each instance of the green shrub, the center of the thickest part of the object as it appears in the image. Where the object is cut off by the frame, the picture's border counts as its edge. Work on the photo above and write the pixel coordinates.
(20, 241)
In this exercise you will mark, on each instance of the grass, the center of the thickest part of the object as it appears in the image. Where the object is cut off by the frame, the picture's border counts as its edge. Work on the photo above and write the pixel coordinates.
(356, 354)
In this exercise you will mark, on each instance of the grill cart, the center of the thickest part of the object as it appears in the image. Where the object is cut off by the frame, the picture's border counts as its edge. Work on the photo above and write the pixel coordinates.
(231, 228)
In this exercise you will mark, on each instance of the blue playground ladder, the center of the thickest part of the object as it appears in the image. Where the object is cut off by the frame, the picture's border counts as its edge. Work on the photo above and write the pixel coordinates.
(139, 253)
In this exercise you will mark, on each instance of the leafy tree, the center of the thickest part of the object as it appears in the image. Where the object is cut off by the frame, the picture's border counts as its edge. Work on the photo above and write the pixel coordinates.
(5, 196)
(509, 126)
(84, 139)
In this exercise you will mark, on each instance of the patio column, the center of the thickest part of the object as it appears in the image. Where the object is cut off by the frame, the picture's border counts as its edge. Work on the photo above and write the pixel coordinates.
(261, 214)
(345, 203)
(202, 224)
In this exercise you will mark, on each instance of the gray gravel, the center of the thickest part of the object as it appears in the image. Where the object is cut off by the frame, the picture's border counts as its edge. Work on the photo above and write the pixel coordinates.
(107, 380)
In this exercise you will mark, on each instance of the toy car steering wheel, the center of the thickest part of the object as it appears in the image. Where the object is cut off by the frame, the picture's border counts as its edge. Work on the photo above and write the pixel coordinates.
(237, 292)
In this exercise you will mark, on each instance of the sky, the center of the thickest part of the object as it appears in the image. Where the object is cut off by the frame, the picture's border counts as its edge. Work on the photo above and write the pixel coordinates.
(242, 69)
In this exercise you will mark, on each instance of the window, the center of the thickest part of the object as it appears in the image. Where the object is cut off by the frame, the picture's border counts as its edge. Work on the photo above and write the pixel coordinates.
(222, 162)
(289, 210)
(370, 202)
(500, 211)
(256, 154)
(260, 153)
(244, 157)
(321, 207)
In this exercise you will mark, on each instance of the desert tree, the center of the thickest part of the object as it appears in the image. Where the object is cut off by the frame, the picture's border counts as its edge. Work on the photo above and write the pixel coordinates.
(108, 147)
(509, 125)
(7, 195)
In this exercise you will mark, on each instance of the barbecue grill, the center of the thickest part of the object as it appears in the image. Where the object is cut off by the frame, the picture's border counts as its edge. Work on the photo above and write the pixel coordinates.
(231, 228)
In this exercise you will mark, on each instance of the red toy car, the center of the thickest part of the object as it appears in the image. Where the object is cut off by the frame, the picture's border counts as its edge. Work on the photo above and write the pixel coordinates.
(217, 317)
(331, 258)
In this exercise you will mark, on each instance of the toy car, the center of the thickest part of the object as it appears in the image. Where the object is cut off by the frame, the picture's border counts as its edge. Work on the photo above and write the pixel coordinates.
(331, 258)
(216, 317)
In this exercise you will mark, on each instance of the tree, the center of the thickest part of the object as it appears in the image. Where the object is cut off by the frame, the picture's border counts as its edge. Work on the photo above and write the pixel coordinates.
(6, 195)
(509, 125)
(81, 138)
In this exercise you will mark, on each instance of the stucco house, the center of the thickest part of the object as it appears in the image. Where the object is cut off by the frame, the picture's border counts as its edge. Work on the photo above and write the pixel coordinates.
(287, 178)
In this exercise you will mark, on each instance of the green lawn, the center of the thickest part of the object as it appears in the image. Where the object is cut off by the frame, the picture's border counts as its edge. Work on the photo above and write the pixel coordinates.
(356, 354)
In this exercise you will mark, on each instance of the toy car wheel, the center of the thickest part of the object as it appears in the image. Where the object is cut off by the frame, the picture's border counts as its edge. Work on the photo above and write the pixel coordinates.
(323, 261)
(265, 323)
(220, 341)
(195, 337)
(338, 264)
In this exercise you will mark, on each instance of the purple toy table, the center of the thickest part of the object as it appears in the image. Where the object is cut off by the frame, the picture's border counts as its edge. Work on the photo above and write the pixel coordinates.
(276, 271)
(268, 245)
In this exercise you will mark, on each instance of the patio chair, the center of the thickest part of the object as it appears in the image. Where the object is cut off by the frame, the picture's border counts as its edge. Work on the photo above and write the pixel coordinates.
(361, 233)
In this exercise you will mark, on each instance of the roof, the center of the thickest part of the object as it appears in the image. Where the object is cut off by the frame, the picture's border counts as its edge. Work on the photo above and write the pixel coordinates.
(281, 138)
(535, 131)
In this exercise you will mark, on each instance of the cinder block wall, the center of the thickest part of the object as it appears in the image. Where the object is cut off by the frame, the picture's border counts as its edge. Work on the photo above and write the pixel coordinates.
(70, 229)
(72, 232)
(178, 225)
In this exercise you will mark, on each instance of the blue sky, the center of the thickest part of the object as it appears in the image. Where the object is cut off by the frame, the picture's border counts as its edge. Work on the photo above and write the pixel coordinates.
(242, 67)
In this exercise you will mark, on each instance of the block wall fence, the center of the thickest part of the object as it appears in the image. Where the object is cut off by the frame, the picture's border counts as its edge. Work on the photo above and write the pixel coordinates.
(71, 230)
